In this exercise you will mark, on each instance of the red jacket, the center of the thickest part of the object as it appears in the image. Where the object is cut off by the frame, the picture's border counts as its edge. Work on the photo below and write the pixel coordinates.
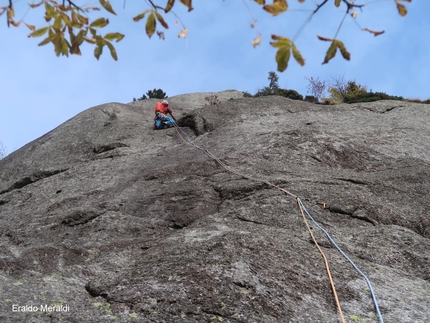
(162, 108)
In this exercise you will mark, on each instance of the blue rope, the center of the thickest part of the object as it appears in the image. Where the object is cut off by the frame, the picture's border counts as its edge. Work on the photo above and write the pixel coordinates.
(306, 211)
(347, 258)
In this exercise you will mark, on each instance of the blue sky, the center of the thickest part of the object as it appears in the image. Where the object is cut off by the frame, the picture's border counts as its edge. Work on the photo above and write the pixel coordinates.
(39, 91)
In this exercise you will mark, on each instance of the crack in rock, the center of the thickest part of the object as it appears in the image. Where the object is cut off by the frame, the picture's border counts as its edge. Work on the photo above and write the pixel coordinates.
(103, 148)
(32, 179)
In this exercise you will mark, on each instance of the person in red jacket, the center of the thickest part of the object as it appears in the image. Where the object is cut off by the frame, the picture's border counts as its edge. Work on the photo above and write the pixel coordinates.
(161, 119)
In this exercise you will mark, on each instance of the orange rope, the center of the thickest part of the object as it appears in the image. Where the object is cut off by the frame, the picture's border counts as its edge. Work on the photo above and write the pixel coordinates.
(288, 193)
(325, 261)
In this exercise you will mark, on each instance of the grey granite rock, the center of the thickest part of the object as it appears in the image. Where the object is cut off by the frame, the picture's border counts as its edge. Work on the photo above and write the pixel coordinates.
(107, 220)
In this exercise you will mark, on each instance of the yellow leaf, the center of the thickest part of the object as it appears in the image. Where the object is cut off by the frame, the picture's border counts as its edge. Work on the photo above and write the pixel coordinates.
(169, 6)
(58, 22)
(402, 9)
(343, 50)
(31, 27)
(187, 3)
(99, 23)
(337, 3)
(89, 40)
(161, 20)
(113, 36)
(256, 41)
(140, 16)
(262, 2)
(82, 19)
(151, 23)
(39, 32)
(297, 56)
(331, 52)
(10, 12)
(112, 50)
(280, 42)
(278, 7)
(49, 11)
(49, 39)
(282, 58)
(98, 51)
(77, 41)
(64, 46)
(106, 4)
(75, 20)
(66, 19)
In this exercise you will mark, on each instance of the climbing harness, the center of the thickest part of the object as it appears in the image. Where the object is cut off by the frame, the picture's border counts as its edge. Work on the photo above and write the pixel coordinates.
(303, 211)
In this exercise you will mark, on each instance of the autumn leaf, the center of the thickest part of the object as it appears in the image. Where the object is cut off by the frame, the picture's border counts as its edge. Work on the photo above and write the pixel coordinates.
(60, 45)
(187, 3)
(113, 36)
(98, 51)
(82, 19)
(58, 22)
(337, 3)
(282, 58)
(297, 56)
(49, 12)
(49, 39)
(161, 20)
(99, 23)
(402, 9)
(112, 50)
(169, 6)
(278, 7)
(151, 23)
(141, 16)
(39, 32)
(106, 4)
(375, 33)
(346, 55)
(31, 27)
(66, 19)
(324, 38)
(285, 46)
(331, 52)
(261, 2)
(89, 40)
(35, 5)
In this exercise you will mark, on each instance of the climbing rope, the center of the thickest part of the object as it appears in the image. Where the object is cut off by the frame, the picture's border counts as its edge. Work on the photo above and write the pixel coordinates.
(303, 210)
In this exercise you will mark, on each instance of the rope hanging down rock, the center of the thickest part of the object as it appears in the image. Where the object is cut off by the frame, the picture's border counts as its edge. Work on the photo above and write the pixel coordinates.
(303, 210)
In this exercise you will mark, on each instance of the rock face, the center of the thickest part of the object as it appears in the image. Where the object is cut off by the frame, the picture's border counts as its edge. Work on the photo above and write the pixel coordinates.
(107, 220)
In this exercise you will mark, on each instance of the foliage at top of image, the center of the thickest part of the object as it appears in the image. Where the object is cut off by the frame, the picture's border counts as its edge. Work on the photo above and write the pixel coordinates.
(316, 88)
(152, 94)
(69, 25)
(342, 91)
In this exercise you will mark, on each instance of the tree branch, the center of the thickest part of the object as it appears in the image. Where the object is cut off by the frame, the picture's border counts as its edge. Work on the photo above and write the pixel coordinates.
(155, 6)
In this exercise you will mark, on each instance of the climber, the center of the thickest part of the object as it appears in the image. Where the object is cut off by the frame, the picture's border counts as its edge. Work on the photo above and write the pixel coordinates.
(161, 119)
